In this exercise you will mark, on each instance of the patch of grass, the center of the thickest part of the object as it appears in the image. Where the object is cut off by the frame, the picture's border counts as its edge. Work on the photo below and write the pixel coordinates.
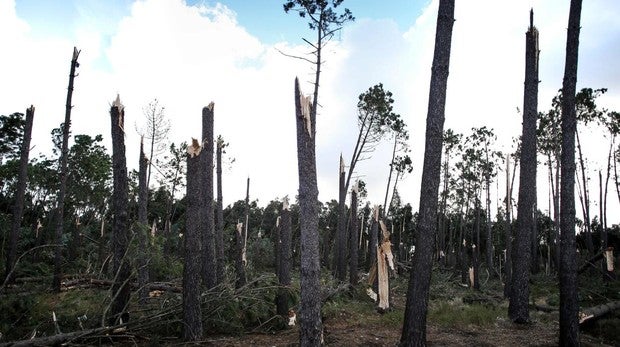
(454, 314)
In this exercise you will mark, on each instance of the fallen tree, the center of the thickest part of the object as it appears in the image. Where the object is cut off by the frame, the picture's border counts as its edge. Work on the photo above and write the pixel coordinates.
(593, 313)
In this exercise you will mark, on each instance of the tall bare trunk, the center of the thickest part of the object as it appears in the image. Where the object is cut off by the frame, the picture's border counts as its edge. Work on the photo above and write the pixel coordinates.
(143, 228)
(520, 290)
(569, 301)
(311, 327)
(192, 313)
(508, 233)
(414, 326)
(340, 248)
(585, 198)
(120, 224)
(60, 205)
(20, 193)
(353, 226)
(219, 218)
(208, 241)
(284, 259)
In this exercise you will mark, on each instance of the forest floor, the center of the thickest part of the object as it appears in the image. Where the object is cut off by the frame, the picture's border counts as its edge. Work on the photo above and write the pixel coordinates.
(458, 316)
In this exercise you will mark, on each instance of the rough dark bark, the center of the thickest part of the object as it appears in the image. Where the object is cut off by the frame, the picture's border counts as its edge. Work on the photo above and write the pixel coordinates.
(120, 222)
(284, 260)
(569, 301)
(209, 274)
(340, 247)
(353, 227)
(240, 260)
(18, 208)
(62, 190)
(414, 326)
(219, 218)
(518, 309)
(192, 314)
(374, 238)
(508, 234)
(143, 227)
(311, 327)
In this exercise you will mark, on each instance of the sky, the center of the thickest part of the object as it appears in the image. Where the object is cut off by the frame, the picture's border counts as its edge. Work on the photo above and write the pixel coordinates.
(189, 53)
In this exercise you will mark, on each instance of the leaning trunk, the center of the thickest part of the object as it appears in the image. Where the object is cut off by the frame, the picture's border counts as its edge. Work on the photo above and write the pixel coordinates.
(414, 326)
(62, 190)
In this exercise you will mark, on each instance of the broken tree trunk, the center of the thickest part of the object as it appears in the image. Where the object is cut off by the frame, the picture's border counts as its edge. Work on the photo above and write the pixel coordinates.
(384, 259)
(142, 228)
(62, 190)
(120, 233)
(208, 240)
(284, 259)
(240, 259)
(311, 327)
(18, 208)
(592, 313)
(192, 314)
(353, 258)
(219, 216)
(340, 248)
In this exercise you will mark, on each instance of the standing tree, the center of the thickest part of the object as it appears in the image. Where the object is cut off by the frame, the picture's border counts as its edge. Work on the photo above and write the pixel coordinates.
(192, 314)
(63, 175)
(518, 310)
(219, 215)
(353, 243)
(569, 301)
(120, 234)
(208, 240)
(142, 227)
(414, 325)
(375, 119)
(311, 327)
(157, 130)
(18, 207)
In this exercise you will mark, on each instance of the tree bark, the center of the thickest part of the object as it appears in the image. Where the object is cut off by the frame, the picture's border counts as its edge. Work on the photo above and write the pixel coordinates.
(120, 224)
(18, 208)
(143, 227)
(569, 301)
(518, 309)
(353, 226)
(284, 257)
(311, 327)
(508, 234)
(208, 240)
(192, 314)
(585, 198)
(62, 190)
(341, 231)
(219, 218)
(414, 326)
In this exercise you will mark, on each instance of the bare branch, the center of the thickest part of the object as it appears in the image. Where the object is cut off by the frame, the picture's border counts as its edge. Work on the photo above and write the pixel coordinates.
(295, 56)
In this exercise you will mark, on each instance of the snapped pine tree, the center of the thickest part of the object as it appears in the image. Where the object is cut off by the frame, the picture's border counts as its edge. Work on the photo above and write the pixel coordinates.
(518, 309)
(192, 314)
(209, 275)
(219, 216)
(311, 327)
(284, 259)
(353, 244)
(143, 227)
(62, 190)
(121, 289)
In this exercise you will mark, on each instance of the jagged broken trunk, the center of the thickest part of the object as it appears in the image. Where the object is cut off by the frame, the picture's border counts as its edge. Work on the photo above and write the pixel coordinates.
(209, 274)
(311, 327)
(142, 229)
(353, 227)
(62, 190)
(120, 226)
(192, 314)
(518, 309)
(219, 218)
